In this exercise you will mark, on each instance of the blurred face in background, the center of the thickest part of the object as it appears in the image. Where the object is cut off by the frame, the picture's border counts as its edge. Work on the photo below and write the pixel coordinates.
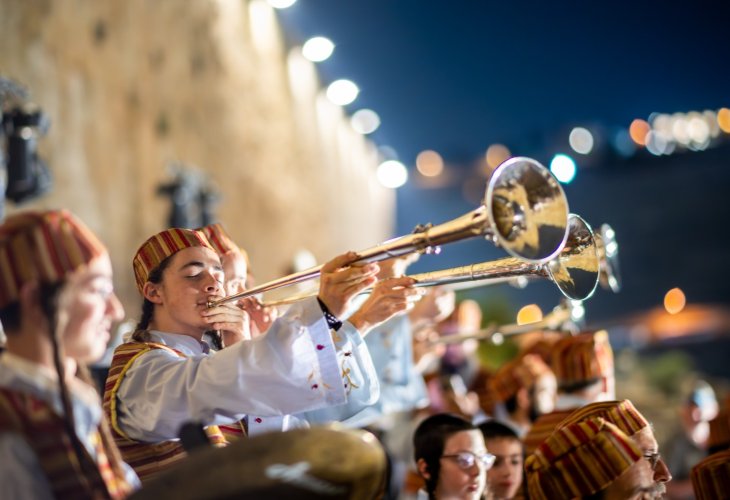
(86, 310)
(505, 477)
(235, 271)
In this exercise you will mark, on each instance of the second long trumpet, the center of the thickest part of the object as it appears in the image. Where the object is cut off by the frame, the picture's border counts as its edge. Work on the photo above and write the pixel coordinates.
(575, 270)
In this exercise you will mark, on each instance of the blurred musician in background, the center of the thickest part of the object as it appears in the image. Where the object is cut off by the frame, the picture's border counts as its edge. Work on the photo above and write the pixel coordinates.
(625, 416)
(591, 458)
(525, 388)
(57, 306)
(583, 367)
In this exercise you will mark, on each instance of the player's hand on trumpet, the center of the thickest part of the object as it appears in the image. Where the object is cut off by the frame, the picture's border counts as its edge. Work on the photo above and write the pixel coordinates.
(341, 280)
(388, 298)
(233, 322)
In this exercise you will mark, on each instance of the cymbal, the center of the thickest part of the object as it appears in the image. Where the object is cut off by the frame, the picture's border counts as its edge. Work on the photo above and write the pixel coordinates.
(321, 462)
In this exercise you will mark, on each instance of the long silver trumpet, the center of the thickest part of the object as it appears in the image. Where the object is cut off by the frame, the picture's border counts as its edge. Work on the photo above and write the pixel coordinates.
(575, 270)
(560, 319)
(524, 211)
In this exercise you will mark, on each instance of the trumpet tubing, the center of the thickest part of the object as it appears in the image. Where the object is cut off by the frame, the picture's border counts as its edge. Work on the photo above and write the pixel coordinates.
(524, 211)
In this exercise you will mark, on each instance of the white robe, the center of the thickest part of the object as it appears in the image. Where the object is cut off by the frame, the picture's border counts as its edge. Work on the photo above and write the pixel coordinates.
(298, 366)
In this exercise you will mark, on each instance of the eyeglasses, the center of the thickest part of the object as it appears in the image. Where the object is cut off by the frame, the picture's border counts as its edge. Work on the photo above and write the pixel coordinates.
(653, 459)
(467, 459)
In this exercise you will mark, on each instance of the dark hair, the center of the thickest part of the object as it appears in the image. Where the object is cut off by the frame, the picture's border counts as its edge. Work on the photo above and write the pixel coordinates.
(510, 404)
(429, 440)
(148, 308)
(48, 297)
(10, 317)
(492, 429)
(574, 387)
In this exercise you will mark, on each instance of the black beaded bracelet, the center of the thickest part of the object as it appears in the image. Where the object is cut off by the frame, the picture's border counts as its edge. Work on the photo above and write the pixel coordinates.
(332, 322)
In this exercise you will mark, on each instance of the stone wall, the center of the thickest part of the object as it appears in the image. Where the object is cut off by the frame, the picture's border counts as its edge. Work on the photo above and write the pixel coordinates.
(132, 85)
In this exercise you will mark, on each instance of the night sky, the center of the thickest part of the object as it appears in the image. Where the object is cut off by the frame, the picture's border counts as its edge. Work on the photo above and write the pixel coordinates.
(457, 77)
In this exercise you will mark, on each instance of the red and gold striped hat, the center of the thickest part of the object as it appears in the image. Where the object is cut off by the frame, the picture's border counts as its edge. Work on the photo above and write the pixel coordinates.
(222, 242)
(582, 358)
(219, 239)
(711, 477)
(720, 430)
(44, 246)
(622, 414)
(520, 372)
(580, 460)
(161, 246)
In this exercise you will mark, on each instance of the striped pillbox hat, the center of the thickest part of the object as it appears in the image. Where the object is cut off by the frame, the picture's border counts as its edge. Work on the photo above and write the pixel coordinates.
(711, 477)
(44, 246)
(579, 460)
(582, 358)
(219, 239)
(520, 372)
(161, 246)
(622, 414)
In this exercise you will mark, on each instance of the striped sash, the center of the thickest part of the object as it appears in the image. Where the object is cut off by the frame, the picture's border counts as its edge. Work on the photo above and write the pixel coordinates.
(44, 431)
(147, 459)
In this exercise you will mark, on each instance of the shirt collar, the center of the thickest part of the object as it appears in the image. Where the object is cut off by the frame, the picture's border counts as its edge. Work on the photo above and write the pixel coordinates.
(183, 343)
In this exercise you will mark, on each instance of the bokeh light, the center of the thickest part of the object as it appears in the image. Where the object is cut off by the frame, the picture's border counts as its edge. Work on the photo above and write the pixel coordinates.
(638, 131)
(581, 140)
(281, 4)
(723, 120)
(497, 154)
(392, 174)
(674, 301)
(365, 121)
(342, 92)
(318, 49)
(429, 163)
(623, 143)
(563, 168)
(530, 313)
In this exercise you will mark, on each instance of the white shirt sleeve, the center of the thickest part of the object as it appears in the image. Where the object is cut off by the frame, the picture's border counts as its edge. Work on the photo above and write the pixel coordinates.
(294, 368)
(401, 387)
(21, 475)
(359, 378)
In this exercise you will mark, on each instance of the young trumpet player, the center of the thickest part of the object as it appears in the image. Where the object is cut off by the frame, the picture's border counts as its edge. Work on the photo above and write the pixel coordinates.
(167, 375)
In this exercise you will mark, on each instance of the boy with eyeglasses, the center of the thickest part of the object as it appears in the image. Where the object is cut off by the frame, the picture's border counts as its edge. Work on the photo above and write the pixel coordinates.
(451, 457)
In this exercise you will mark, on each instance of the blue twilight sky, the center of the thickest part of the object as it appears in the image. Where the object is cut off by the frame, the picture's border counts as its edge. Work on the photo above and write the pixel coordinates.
(458, 76)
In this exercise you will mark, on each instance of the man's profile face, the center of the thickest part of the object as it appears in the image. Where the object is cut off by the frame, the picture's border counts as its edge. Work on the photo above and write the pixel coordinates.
(636, 483)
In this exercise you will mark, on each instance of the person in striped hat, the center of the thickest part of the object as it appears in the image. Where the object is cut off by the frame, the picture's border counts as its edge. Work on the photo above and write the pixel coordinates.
(166, 375)
(711, 477)
(589, 459)
(525, 389)
(625, 416)
(57, 307)
(583, 367)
